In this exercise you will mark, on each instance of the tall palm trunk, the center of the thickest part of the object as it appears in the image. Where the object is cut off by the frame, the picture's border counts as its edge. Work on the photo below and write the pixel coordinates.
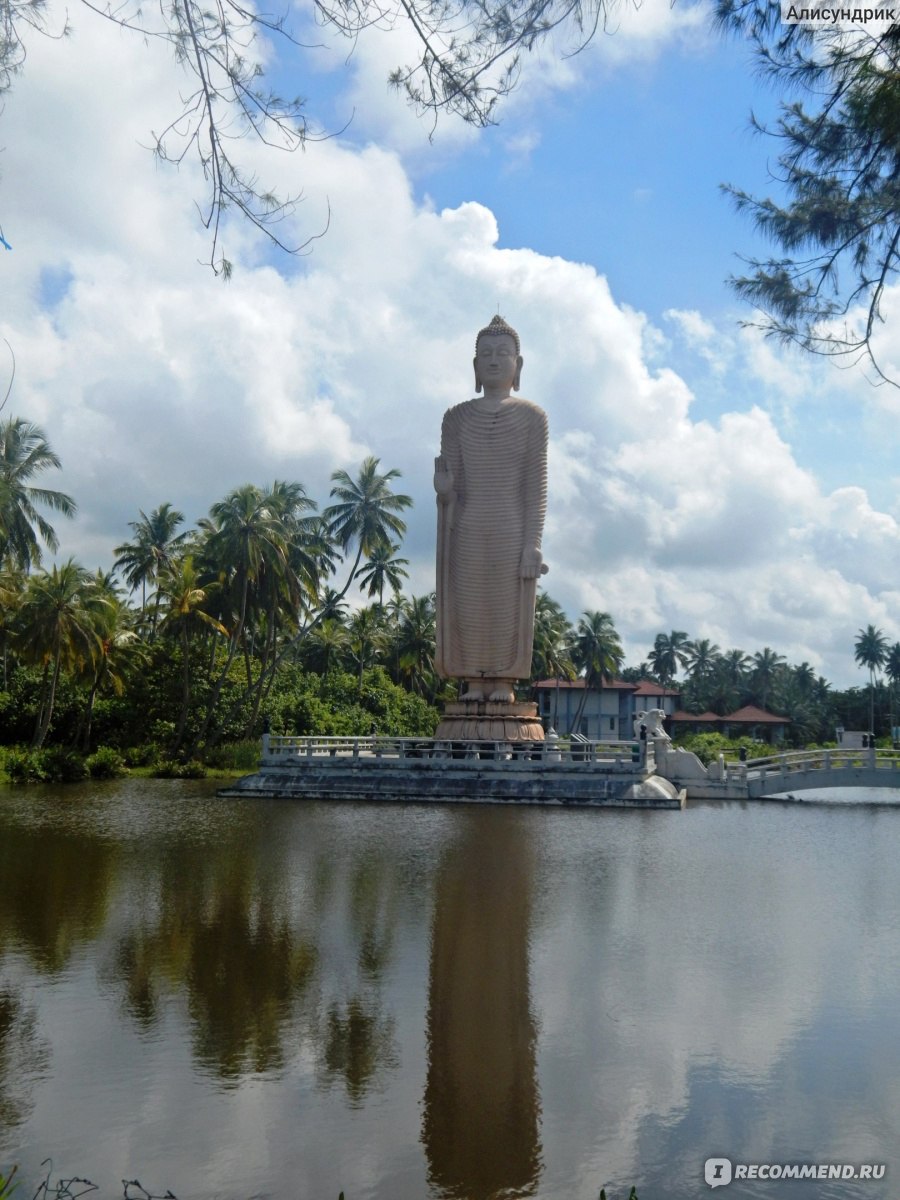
(185, 689)
(573, 727)
(83, 734)
(872, 700)
(45, 714)
(235, 642)
(263, 684)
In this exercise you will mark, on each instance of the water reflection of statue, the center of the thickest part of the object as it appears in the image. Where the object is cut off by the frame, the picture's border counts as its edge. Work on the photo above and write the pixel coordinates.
(491, 484)
(480, 1125)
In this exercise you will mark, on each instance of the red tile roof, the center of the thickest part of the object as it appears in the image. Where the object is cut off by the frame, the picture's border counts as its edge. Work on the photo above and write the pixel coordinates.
(646, 687)
(701, 717)
(751, 715)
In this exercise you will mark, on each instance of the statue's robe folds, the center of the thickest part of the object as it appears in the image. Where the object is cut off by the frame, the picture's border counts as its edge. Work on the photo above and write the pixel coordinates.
(485, 609)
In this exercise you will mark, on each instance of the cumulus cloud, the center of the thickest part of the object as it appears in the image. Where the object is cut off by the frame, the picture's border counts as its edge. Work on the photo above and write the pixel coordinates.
(156, 382)
(361, 97)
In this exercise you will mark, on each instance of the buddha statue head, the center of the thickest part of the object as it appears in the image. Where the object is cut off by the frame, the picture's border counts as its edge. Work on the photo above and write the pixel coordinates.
(498, 360)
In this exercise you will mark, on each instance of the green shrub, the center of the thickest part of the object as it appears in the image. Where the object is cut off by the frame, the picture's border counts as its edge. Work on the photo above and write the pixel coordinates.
(55, 764)
(171, 768)
(708, 746)
(162, 732)
(235, 756)
(63, 765)
(141, 756)
(105, 763)
(25, 766)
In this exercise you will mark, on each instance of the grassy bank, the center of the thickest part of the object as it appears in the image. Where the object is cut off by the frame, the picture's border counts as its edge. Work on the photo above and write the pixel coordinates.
(61, 764)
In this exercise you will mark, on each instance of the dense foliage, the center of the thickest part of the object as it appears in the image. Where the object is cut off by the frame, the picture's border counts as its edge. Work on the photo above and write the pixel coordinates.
(203, 637)
(236, 624)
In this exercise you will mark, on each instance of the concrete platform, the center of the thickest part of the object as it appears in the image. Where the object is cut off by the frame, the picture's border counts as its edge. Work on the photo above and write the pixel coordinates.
(588, 774)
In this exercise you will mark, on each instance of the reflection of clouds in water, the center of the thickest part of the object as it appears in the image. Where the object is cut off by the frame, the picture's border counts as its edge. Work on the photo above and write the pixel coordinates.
(23, 1057)
(662, 985)
(682, 955)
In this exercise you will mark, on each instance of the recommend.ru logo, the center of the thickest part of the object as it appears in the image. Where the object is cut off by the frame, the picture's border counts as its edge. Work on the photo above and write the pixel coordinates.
(719, 1171)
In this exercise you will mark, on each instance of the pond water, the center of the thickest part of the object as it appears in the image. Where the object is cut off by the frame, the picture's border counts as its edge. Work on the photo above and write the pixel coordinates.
(252, 998)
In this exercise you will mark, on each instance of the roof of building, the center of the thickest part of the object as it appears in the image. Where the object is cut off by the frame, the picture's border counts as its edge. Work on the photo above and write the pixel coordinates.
(748, 715)
(751, 715)
(646, 687)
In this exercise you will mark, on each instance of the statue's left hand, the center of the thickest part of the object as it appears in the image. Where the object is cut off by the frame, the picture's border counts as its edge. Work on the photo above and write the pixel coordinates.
(532, 564)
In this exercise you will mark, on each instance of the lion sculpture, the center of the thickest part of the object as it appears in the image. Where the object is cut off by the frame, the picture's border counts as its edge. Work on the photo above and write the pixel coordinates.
(653, 720)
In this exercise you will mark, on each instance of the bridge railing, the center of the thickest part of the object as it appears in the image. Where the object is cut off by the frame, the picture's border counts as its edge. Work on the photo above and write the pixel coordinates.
(285, 751)
(796, 762)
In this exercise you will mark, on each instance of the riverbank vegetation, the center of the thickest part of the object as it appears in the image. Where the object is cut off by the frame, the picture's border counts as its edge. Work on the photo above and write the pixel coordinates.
(271, 613)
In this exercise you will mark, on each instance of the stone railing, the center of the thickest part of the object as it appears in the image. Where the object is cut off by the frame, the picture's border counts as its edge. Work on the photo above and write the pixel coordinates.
(776, 773)
(285, 751)
(806, 762)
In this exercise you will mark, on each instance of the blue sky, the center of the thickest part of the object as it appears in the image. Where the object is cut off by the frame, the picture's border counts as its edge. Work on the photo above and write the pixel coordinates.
(701, 479)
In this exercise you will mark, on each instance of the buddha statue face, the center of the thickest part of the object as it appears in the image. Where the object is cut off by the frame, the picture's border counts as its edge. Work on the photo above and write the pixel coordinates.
(497, 363)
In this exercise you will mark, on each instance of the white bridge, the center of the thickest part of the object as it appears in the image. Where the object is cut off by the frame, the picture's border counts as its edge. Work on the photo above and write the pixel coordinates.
(779, 774)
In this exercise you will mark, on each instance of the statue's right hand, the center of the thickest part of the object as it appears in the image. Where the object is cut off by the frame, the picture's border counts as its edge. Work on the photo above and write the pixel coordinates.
(443, 477)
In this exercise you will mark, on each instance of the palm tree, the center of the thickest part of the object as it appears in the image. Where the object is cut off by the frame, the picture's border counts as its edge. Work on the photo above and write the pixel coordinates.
(182, 615)
(118, 645)
(735, 665)
(366, 510)
(805, 678)
(393, 611)
(416, 645)
(317, 549)
(702, 657)
(552, 652)
(57, 629)
(301, 524)
(365, 633)
(155, 542)
(366, 513)
(597, 652)
(281, 593)
(333, 607)
(383, 568)
(24, 454)
(12, 587)
(325, 646)
(870, 650)
(247, 541)
(669, 652)
(796, 703)
(892, 670)
(766, 665)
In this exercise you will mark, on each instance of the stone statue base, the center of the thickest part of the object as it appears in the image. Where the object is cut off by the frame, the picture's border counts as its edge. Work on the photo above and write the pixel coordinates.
(484, 721)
